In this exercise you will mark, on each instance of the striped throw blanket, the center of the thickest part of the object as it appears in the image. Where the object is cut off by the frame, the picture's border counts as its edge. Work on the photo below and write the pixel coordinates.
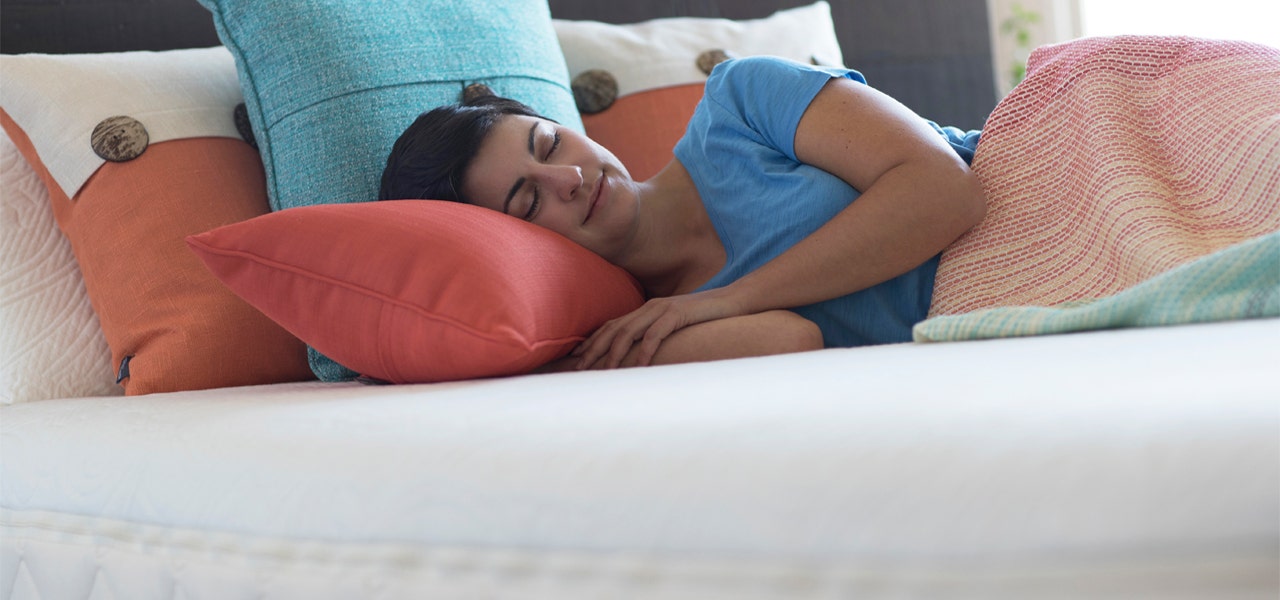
(1131, 181)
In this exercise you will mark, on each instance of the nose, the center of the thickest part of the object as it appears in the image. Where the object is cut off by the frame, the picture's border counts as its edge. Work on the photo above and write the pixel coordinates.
(562, 180)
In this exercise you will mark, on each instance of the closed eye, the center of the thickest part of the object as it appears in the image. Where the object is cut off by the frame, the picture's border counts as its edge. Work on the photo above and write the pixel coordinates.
(537, 202)
(533, 206)
(555, 143)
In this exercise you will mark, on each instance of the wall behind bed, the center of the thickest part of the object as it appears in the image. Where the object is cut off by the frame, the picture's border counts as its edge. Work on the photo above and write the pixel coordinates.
(933, 55)
(73, 26)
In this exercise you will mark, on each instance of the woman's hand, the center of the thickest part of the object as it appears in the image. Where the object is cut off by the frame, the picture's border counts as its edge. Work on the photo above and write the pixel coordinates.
(648, 326)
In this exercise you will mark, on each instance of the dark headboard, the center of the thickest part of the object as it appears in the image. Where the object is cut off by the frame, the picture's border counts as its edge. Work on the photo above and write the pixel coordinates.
(74, 26)
(933, 55)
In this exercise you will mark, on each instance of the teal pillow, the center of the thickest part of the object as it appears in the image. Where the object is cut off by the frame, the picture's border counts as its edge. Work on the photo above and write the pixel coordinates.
(330, 84)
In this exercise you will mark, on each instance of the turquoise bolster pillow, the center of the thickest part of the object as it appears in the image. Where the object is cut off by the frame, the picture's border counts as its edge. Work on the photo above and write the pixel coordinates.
(330, 84)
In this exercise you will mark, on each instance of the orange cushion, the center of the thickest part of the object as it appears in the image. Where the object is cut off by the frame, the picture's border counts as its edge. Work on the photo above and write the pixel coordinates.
(642, 128)
(155, 301)
(419, 291)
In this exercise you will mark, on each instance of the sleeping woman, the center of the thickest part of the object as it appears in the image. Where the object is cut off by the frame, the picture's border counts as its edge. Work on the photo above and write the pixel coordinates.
(803, 209)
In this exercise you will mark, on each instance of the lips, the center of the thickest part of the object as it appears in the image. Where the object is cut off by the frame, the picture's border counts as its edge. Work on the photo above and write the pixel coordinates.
(596, 195)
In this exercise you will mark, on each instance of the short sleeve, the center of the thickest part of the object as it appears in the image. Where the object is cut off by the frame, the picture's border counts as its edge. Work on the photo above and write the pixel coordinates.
(769, 95)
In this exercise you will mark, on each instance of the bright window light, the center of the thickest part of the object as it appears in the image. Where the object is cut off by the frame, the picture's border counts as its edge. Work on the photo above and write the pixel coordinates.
(1250, 20)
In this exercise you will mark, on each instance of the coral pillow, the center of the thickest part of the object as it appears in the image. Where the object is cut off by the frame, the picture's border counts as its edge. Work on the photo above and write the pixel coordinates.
(169, 324)
(642, 129)
(419, 291)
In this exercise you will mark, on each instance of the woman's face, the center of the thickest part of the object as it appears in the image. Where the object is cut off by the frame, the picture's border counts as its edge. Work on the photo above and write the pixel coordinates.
(539, 171)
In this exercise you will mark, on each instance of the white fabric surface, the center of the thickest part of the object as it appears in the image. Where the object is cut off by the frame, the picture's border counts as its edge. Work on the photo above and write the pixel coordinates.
(51, 345)
(57, 99)
(1121, 464)
(663, 52)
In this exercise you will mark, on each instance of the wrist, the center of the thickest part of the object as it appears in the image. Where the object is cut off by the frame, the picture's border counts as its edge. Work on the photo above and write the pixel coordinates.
(742, 298)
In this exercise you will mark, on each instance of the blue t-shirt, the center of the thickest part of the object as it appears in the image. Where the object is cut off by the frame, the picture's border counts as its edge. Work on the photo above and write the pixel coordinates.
(739, 150)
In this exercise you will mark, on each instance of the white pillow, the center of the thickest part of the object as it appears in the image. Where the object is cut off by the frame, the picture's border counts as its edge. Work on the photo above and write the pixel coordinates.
(50, 343)
(664, 52)
(146, 86)
(128, 240)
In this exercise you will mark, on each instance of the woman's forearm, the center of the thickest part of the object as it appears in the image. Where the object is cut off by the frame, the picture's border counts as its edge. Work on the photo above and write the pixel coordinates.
(761, 334)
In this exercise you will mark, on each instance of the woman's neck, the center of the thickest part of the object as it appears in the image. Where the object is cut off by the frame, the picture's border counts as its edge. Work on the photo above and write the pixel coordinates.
(677, 246)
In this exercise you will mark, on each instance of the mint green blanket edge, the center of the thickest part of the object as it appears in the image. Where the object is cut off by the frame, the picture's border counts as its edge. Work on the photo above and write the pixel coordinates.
(1238, 282)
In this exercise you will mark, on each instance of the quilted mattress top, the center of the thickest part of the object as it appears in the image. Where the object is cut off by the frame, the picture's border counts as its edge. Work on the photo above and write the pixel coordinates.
(1095, 447)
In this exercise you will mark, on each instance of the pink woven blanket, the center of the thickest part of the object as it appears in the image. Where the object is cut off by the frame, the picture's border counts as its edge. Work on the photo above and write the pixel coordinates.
(1116, 160)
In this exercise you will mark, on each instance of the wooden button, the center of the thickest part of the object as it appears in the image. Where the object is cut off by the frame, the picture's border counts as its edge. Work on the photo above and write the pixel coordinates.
(476, 90)
(119, 139)
(241, 116)
(594, 90)
(822, 61)
(709, 59)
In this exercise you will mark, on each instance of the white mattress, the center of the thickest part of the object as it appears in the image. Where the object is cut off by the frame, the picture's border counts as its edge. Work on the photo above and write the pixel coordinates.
(1122, 464)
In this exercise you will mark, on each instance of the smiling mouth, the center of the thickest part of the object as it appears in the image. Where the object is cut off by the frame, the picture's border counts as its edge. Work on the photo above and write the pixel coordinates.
(595, 197)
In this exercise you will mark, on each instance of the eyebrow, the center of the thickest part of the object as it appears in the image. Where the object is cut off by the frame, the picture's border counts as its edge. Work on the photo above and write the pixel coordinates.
(520, 182)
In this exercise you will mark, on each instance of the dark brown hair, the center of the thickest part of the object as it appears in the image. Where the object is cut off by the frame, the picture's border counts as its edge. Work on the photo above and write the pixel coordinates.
(429, 159)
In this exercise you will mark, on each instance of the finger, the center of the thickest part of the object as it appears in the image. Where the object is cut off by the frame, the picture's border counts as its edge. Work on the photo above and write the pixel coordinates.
(653, 338)
(593, 351)
(604, 340)
(621, 347)
(656, 324)
(620, 333)
(629, 335)
(594, 347)
(647, 349)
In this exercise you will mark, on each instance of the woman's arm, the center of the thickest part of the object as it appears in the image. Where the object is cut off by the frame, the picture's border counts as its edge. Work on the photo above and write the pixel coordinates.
(917, 197)
(761, 334)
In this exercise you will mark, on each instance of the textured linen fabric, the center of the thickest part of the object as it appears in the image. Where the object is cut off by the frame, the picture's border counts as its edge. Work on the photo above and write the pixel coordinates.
(175, 94)
(329, 85)
(160, 310)
(1116, 160)
(401, 291)
(740, 152)
(157, 305)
